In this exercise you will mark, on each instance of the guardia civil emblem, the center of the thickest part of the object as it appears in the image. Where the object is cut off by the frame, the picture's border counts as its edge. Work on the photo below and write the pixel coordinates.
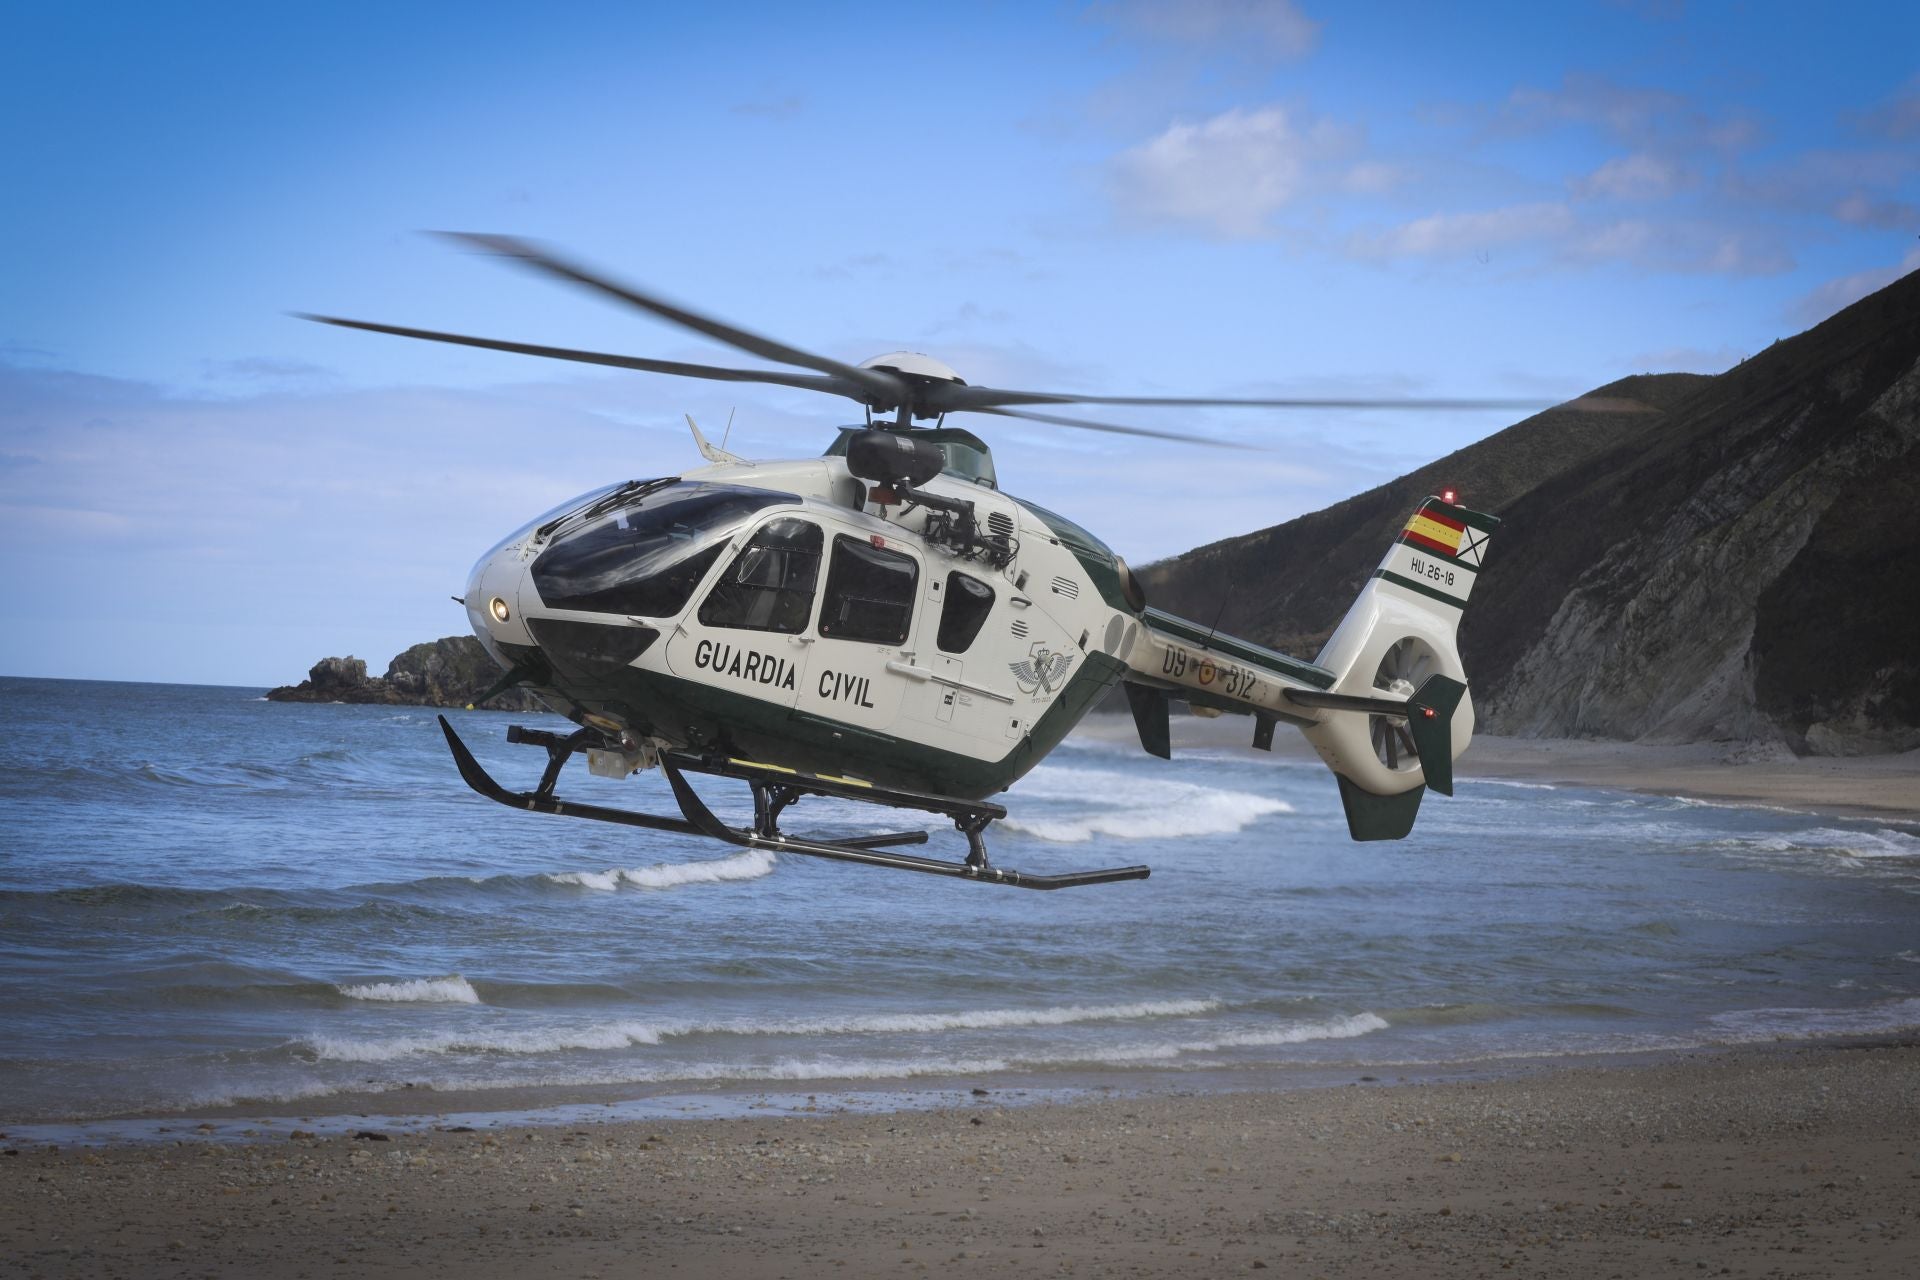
(1042, 671)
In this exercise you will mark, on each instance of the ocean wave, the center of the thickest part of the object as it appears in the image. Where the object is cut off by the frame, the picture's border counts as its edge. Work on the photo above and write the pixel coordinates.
(969, 1019)
(624, 1035)
(1881, 843)
(627, 1033)
(1742, 1026)
(749, 864)
(452, 989)
(1130, 807)
(532, 1040)
(116, 895)
(386, 912)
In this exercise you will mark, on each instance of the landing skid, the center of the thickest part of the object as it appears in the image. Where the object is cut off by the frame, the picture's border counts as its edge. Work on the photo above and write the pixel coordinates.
(774, 790)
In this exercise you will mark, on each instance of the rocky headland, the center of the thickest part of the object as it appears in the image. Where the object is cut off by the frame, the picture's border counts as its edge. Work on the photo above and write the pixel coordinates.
(450, 672)
(1681, 559)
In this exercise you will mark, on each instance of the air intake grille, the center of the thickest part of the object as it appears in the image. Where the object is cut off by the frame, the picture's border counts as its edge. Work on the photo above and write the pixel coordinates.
(1066, 587)
(1019, 630)
(1000, 522)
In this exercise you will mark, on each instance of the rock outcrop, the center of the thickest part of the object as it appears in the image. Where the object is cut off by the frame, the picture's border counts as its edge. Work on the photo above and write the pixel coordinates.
(440, 673)
(1731, 562)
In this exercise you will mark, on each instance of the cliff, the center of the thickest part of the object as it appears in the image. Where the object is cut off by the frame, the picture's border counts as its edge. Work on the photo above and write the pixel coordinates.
(441, 673)
(1717, 558)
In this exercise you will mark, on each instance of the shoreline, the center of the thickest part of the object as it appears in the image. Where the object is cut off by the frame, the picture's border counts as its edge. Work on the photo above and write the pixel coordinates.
(1797, 1159)
(407, 1109)
(1884, 787)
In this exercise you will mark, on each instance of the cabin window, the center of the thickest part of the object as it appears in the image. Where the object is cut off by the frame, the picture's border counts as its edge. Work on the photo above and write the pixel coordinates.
(870, 593)
(969, 601)
(769, 585)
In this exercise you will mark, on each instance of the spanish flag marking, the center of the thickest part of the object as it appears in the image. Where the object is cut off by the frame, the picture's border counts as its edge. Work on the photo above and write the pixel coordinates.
(1437, 532)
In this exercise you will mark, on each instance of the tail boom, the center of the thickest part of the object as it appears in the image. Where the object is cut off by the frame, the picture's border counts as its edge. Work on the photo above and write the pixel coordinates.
(1384, 704)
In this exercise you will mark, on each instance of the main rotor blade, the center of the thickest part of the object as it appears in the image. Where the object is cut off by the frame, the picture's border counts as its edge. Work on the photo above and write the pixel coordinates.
(880, 390)
(805, 381)
(948, 397)
(1212, 442)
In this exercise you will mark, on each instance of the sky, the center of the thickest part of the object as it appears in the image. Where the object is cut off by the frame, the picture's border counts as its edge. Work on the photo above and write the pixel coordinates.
(1215, 197)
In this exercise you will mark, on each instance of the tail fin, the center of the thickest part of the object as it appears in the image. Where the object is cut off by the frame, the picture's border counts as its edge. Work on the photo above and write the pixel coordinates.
(1398, 642)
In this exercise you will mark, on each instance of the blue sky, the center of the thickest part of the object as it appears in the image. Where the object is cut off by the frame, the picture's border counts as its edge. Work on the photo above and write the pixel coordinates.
(1216, 197)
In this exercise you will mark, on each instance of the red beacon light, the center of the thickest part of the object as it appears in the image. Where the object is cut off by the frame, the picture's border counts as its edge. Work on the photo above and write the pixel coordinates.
(1450, 496)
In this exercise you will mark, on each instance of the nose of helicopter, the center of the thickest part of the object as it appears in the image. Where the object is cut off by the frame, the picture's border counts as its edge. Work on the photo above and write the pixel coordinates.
(495, 589)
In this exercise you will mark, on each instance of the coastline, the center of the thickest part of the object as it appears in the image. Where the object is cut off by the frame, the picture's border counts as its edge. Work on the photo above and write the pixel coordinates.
(1881, 786)
(1794, 1160)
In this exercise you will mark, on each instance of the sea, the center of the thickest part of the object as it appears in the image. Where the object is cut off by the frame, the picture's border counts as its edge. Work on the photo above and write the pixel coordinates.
(209, 900)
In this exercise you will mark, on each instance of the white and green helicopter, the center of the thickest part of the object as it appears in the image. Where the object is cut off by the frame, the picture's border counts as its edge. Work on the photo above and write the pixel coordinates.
(884, 624)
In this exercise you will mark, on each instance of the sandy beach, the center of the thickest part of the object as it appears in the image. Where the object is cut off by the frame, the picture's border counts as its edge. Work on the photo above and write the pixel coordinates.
(1778, 1160)
(1800, 1161)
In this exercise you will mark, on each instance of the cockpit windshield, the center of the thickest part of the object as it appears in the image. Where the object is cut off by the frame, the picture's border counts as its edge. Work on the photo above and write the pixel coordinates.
(646, 557)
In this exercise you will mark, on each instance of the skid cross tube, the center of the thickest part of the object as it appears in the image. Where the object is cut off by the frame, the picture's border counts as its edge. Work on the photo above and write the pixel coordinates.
(774, 790)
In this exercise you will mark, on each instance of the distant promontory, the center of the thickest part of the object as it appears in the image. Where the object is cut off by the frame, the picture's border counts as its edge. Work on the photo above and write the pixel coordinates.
(450, 672)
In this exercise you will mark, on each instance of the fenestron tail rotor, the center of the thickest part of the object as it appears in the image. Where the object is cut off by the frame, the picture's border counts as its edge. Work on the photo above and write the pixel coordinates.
(1404, 667)
(921, 390)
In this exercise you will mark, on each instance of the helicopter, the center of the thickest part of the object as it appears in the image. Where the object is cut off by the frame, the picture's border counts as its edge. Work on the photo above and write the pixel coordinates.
(884, 624)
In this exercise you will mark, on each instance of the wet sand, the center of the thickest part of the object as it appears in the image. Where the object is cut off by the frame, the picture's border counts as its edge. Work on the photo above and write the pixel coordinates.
(1783, 1162)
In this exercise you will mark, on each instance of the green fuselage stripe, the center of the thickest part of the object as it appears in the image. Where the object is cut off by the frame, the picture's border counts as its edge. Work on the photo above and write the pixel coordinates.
(1252, 654)
(1421, 587)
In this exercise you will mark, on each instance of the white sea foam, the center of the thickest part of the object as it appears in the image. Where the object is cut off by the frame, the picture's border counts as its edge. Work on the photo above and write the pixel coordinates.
(610, 1035)
(824, 1066)
(626, 1033)
(750, 864)
(1126, 806)
(1746, 1025)
(452, 989)
(1883, 843)
(1347, 1028)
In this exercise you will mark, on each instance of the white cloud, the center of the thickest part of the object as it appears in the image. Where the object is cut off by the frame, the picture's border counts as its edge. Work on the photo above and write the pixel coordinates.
(1626, 111)
(1683, 247)
(1862, 210)
(1552, 230)
(1636, 176)
(1450, 234)
(1639, 116)
(1275, 28)
(1899, 116)
(1231, 174)
(1823, 300)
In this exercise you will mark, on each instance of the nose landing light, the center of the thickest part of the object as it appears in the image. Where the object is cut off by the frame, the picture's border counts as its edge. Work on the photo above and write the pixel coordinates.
(498, 608)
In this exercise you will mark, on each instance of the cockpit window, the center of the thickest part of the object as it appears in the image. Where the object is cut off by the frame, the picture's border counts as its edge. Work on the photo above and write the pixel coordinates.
(968, 603)
(769, 585)
(646, 557)
(869, 593)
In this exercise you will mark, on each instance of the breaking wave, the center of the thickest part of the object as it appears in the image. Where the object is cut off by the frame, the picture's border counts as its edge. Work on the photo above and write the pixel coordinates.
(1884, 843)
(452, 989)
(626, 1033)
(1116, 805)
(749, 864)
